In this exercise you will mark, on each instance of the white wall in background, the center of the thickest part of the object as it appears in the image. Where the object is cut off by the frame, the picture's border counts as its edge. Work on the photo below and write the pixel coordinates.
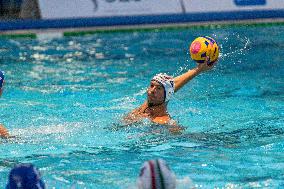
(194, 6)
(97, 8)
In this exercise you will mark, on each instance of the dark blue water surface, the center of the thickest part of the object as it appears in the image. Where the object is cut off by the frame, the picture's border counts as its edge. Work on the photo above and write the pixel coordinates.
(64, 99)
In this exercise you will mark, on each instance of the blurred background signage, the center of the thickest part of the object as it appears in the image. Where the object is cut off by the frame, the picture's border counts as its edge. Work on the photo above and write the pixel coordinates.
(250, 2)
(98, 8)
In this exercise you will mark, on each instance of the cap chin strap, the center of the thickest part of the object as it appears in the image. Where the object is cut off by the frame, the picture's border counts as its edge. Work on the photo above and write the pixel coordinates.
(153, 105)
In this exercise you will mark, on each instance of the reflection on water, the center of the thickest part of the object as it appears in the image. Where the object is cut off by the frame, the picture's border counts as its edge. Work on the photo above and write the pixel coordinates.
(64, 100)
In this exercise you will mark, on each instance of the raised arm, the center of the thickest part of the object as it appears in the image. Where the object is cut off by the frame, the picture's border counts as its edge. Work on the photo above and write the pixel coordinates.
(181, 80)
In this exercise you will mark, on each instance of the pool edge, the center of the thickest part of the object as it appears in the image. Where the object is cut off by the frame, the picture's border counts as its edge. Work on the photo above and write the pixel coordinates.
(69, 32)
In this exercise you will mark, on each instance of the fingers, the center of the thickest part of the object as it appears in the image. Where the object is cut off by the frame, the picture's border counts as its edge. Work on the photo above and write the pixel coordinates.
(210, 64)
(207, 61)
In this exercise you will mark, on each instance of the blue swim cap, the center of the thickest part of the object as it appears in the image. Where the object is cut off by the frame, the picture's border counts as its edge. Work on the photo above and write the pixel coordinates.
(25, 176)
(1, 78)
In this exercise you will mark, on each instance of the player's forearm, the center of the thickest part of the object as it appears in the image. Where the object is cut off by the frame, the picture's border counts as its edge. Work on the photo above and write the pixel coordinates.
(181, 80)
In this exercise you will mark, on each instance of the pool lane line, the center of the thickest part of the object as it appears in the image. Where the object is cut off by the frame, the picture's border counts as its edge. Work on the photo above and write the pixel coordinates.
(18, 35)
(169, 28)
(147, 28)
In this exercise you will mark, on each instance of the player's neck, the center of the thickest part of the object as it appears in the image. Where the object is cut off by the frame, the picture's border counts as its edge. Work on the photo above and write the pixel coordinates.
(157, 110)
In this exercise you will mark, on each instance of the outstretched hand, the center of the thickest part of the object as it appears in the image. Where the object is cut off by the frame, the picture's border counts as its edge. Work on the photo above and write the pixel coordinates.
(205, 66)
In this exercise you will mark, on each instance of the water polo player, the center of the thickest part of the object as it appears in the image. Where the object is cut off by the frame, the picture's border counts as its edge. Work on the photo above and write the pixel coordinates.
(160, 91)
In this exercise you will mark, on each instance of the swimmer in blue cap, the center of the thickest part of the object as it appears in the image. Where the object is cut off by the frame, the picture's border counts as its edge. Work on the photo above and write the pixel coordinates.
(3, 131)
(25, 176)
(161, 89)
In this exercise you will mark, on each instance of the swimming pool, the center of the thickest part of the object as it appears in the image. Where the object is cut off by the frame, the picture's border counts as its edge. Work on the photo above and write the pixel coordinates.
(64, 99)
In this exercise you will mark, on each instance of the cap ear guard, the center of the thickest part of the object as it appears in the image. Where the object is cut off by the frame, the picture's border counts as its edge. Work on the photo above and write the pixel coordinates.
(167, 82)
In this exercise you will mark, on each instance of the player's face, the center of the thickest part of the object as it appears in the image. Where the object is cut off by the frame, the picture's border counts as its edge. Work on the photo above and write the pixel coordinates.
(156, 94)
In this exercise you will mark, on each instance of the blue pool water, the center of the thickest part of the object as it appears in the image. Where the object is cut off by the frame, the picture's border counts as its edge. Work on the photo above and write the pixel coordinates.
(64, 99)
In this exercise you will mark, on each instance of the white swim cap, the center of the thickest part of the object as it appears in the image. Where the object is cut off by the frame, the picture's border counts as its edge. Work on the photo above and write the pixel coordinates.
(156, 174)
(167, 82)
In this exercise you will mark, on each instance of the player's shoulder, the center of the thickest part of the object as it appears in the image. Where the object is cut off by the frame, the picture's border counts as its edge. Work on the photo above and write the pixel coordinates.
(162, 119)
